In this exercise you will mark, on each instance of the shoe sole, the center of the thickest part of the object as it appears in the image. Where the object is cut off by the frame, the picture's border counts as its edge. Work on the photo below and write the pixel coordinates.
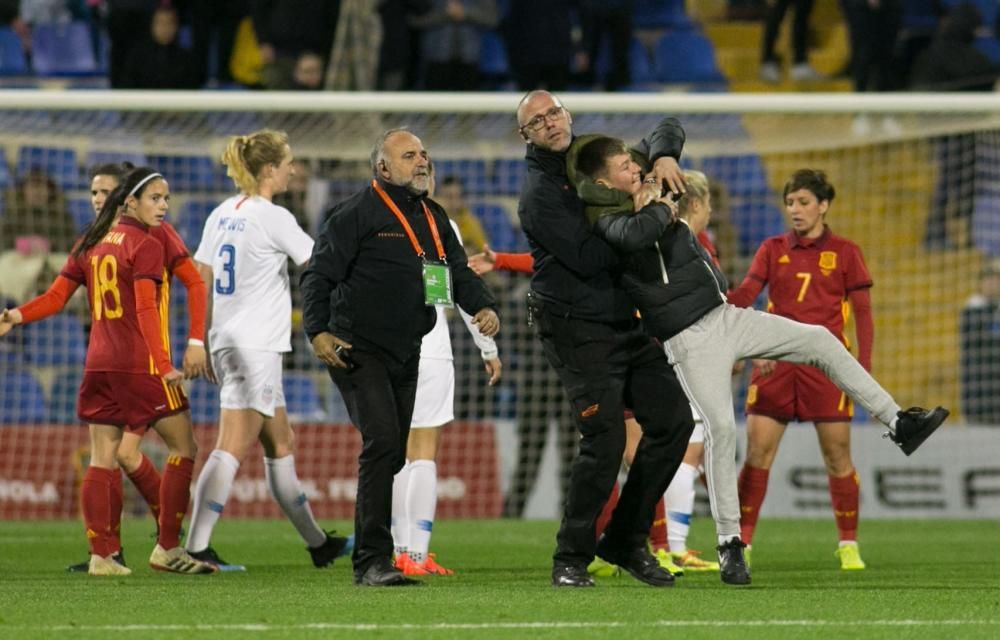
(736, 581)
(939, 415)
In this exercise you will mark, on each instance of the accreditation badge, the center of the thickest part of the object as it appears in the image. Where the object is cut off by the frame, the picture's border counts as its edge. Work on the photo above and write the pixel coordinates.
(437, 285)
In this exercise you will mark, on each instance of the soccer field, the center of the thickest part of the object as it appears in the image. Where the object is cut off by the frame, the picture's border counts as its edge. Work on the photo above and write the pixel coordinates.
(925, 579)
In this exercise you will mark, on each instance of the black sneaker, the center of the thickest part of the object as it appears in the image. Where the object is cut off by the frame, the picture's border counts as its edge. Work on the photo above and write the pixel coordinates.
(638, 561)
(568, 575)
(732, 565)
(209, 555)
(331, 549)
(916, 425)
(84, 567)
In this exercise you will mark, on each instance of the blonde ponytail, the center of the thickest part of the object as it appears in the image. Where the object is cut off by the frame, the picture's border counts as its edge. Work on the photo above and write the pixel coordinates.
(245, 157)
(696, 189)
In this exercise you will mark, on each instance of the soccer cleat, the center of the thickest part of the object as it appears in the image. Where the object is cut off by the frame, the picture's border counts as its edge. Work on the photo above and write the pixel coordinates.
(84, 567)
(732, 565)
(747, 553)
(667, 562)
(332, 547)
(431, 566)
(178, 560)
(567, 575)
(850, 557)
(99, 566)
(209, 555)
(915, 425)
(601, 568)
(409, 566)
(690, 561)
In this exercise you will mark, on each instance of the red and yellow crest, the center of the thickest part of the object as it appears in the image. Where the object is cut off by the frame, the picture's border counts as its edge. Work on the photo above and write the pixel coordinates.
(827, 262)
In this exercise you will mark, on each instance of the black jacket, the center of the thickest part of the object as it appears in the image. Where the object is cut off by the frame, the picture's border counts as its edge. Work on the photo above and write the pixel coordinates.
(672, 279)
(364, 281)
(576, 272)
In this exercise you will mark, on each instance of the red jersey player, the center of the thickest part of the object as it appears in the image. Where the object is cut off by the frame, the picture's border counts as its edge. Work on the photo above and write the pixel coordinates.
(128, 377)
(816, 277)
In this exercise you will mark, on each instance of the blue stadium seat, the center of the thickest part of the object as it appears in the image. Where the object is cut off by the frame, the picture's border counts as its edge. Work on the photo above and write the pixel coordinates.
(5, 179)
(742, 175)
(62, 399)
(190, 173)
(301, 397)
(508, 176)
(493, 56)
(987, 9)
(920, 15)
(204, 399)
(190, 221)
(63, 49)
(756, 219)
(471, 172)
(640, 63)
(500, 232)
(986, 220)
(59, 163)
(56, 340)
(22, 399)
(82, 212)
(96, 157)
(660, 14)
(13, 62)
(686, 56)
(990, 47)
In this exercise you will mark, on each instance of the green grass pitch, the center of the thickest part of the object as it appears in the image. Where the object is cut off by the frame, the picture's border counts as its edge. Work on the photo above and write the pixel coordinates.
(925, 579)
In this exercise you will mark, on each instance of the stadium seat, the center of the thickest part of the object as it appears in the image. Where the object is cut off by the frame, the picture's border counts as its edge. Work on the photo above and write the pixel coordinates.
(756, 219)
(5, 179)
(990, 47)
(985, 229)
(81, 210)
(471, 172)
(96, 157)
(62, 399)
(13, 62)
(640, 63)
(302, 400)
(56, 340)
(743, 175)
(660, 14)
(493, 62)
(508, 176)
(190, 221)
(987, 10)
(686, 56)
(204, 399)
(502, 234)
(63, 49)
(22, 399)
(190, 173)
(59, 163)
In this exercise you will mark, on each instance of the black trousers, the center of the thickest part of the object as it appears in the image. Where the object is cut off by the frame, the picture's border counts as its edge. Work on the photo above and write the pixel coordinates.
(379, 395)
(604, 368)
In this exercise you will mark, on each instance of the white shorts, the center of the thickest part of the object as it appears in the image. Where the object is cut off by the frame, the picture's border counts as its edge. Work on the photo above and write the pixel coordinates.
(249, 379)
(698, 435)
(435, 402)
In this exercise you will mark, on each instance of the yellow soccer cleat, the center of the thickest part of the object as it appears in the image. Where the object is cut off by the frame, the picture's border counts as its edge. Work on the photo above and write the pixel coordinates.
(689, 561)
(667, 562)
(850, 557)
(99, 566)
(601, 568)
(177, 560)
(746, 555)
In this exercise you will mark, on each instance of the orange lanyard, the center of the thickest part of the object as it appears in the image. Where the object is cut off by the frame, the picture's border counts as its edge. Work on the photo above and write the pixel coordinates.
(406, 225)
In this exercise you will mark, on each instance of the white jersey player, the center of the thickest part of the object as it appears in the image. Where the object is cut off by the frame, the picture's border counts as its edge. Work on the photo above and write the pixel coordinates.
(414, 488)
(243, 256)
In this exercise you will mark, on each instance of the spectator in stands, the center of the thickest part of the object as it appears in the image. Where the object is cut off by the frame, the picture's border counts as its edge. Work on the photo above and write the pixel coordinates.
(399, 57)
(980, 339)
(607, 21)
(160, 62)
(213, 28)
(450, 42)
(308, 73)
(952, 62)
(539, 43)
(770, 70)
(451, 196)
(352, 66)
(36, 218)
(752, 10)
(286, 28)
(873, 27)
(123, 16)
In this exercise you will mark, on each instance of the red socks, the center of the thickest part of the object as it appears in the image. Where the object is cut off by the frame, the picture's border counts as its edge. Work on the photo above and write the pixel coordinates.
(97, 500)
(147, 480)
(752, 488)
(175, 493)
(658, 531)
(844, 495)
(609, 507)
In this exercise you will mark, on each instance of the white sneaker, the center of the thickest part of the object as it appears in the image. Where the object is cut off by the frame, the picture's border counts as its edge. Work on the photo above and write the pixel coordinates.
(803, 72)
(769, 72)
(861, 126)
(177, 560)
(106, 567)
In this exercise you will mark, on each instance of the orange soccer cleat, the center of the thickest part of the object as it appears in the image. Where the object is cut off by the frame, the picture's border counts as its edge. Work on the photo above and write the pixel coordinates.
(431, 567)
(408, 566)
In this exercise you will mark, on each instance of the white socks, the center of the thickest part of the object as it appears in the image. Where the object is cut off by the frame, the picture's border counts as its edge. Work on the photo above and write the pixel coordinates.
(400, 523)
(210, 496)
(285, 487)
(680, 505)
(421, 503)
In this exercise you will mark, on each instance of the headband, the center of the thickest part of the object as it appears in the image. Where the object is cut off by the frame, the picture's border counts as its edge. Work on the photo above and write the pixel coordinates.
(142, 182)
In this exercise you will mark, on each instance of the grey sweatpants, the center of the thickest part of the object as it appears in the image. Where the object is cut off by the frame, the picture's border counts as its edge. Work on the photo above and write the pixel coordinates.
(703, 357)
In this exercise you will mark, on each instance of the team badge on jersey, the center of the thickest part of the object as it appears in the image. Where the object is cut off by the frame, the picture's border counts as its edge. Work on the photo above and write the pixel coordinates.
(827, 262)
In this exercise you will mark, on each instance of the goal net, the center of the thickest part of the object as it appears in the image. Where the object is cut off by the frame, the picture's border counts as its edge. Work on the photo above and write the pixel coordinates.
(918, 188)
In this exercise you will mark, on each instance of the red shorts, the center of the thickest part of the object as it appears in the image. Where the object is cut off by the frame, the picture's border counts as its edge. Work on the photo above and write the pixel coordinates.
(129, 400)
(797, 392)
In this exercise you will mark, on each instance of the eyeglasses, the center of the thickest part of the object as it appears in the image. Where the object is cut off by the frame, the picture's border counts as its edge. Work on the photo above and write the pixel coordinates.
(538, 122)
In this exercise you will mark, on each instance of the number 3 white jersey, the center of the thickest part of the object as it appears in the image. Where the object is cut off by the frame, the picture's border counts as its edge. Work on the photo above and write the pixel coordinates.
(247, 242)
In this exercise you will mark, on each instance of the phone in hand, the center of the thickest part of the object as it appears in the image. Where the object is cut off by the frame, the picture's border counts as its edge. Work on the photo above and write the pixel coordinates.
(345, 357)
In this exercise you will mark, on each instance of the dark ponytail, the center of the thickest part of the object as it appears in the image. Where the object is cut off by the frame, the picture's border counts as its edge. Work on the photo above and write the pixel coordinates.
(102, 223)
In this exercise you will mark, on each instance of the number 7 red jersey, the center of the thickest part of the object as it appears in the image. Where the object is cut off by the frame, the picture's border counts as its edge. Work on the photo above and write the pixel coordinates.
(109, 270)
